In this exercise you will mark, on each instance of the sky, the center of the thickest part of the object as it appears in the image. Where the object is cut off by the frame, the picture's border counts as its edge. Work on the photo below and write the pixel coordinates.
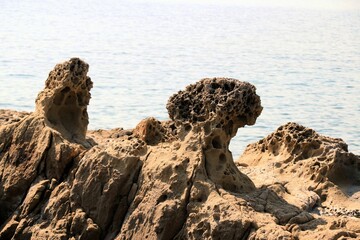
(305, 4)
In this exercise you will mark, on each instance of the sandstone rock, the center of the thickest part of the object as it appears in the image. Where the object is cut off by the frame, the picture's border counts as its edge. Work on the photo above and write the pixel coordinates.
(11, 116)
(64, 100)
(168, 180)
(39, 146)
(153, 131)
(222, 103)
(179, 170)
(313, 172)
(218, 106)
(313, 169)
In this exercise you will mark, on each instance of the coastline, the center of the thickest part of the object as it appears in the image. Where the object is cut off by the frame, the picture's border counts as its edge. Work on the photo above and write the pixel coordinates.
(171, 179)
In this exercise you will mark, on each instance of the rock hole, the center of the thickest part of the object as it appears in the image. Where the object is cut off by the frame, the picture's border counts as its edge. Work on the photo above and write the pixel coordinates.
(216, 142)
(200, 199)
(162, 198)
(201, 119)
(80, 99)
(227, 87)
(222, 158)
(214, 85)
(323, 197)
(65, 90)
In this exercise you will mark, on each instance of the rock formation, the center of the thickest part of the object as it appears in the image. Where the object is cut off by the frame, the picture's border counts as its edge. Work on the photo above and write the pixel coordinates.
(64, 100)
(217, 108)
(312, 172)
(11, 116)
(168, 180)
(309, 170)
(43, 144)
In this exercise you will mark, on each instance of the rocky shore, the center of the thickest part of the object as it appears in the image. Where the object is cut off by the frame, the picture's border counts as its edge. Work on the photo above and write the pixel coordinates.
(172, 179)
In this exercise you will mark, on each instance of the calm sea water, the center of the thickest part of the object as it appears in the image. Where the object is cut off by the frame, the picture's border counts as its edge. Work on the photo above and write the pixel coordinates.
(304, 63)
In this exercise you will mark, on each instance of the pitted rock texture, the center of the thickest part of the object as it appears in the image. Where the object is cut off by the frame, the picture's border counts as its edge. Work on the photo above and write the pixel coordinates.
(162, 180)
(218, 107)
(64, 100)
(221, 102)
(33, 149)
(10, 116)
(153, 131)
(318, 170)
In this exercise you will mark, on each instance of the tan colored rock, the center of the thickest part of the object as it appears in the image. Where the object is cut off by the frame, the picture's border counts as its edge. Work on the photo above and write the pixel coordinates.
(36, 147)
(153, 131)
(223, 103)
(169, 180)
(312, 170)
(8, 116)
(219, 106)
(64, 100)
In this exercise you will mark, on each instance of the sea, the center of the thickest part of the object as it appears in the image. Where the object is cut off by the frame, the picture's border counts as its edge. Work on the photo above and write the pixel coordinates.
(304, 62)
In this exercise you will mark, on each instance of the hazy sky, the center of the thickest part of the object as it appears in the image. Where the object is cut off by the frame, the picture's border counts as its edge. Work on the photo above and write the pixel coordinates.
(312, 4)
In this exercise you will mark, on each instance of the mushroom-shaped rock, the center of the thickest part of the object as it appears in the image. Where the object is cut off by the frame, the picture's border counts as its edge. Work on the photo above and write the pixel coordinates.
(219, 106)
(64, 100)
(224, 103)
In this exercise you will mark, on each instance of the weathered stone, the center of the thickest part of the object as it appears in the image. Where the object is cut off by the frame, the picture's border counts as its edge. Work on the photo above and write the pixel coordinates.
(64, 100)
(316, 170)
(223, 103)
(173, 179)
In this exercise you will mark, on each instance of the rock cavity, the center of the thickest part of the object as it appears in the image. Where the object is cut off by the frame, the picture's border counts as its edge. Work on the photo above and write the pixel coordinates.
(64, 100)
(218, 106)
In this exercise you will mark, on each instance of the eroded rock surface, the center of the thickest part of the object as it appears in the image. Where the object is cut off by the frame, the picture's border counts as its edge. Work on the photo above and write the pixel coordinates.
(217, 107)
(8, 116)
(174, 179)
(39, 146)
(64, 100)
(313, 172)
(222, 103)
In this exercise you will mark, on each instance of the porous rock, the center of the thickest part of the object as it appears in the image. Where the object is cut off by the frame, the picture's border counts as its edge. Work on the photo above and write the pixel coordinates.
(64, 100)
(41, 145)
(218, 106)
(153, 131)
(8, 116)
(163, 180)
(313, 172)
(223, 103)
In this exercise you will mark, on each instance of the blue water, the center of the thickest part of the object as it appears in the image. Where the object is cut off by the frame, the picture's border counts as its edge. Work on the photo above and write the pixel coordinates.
(305, 63)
